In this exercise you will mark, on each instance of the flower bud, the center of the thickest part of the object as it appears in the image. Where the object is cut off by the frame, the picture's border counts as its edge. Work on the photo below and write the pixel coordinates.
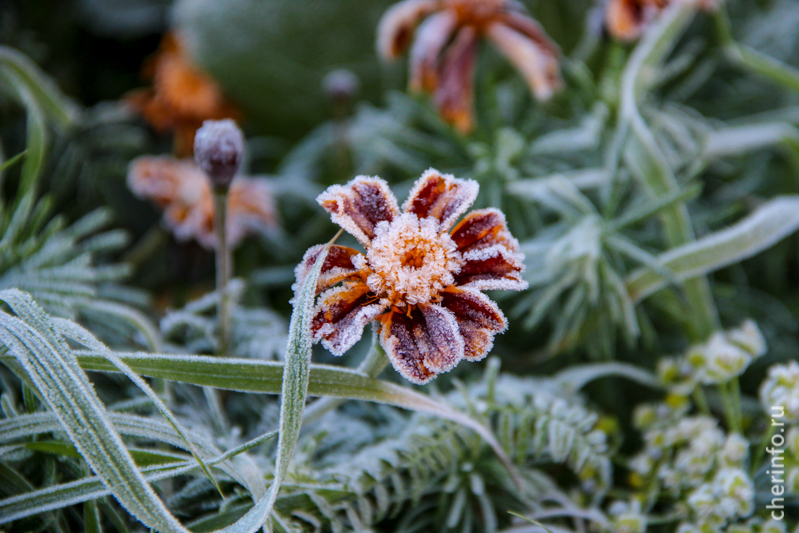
(341, 85)
(218, 150)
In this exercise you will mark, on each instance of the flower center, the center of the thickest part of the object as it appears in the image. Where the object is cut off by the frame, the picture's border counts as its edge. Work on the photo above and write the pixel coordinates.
(411, 261)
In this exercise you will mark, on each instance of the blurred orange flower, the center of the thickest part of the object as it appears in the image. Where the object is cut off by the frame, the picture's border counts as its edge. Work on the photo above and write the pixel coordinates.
(183, 191)
(627, 19)
(181, 97)
(422, 281)
(444, 49)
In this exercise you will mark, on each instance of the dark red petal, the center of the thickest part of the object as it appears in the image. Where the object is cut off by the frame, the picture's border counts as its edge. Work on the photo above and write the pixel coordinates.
(481, 229)
(479, 319)
(433, 35)
(454, 96)
(422, 345)
(337, 268)
(443, 197)
(492, 268)
(396, 28)
(341, 316)
(360, 206)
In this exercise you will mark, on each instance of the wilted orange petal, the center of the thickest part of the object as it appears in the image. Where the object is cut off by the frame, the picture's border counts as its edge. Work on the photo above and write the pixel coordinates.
(479, 319)
(454, 95)
(481, 229)
(396, 28)
(443, 197)
(337, 267)
(251, 208)
(422, 344)
(625, 19)
(538, 64)
(433, 35)
(492, 268)
(360, 205)
(341, 316)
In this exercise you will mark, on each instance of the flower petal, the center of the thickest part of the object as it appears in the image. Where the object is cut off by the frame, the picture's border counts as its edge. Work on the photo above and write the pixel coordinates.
(441, 196)
(341, 316)
(538, 64)
(492, 268)
(395, 30)
(360, 205)
(479, 319)
(625, 19)
(337, 268)
(251, 207)
(434, 33)
(481, 229)
(455, 94)
(423, 343)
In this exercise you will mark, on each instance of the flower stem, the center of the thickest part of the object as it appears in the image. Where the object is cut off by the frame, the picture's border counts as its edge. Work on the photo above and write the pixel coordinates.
(371, 366)
(223, 268)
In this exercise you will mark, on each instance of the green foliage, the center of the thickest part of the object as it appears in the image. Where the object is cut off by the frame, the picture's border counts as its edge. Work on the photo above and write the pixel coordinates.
(654, 199)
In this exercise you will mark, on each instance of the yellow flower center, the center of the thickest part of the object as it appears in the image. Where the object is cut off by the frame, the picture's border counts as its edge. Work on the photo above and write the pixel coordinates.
(411, 261)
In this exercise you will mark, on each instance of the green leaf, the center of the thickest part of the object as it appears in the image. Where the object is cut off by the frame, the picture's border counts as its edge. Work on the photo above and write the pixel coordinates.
(769, 224)
(66, 390)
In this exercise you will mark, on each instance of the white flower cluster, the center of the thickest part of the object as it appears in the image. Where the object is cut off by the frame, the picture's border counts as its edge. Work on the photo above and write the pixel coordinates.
(627, 517)
(781, 388)
(757, 525)
(727, 354)
(696, 462)
(730, 495)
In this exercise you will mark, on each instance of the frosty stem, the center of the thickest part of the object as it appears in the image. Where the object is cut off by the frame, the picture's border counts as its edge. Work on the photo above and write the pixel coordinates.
(223, 267)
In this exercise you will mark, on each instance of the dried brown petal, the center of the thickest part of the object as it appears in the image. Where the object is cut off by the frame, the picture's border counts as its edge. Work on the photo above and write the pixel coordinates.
(538, 64)
(479, 319)
(360, 205)
(455, 94)
(433, 35)
(341, 316)
(422, 344)
(481, 229)
(441, 196)
(396, 28)
(337, 267)
(492, 268)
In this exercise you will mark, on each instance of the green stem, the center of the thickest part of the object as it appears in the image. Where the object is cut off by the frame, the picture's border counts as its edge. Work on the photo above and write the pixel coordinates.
(733, 424)
(701, 400)
(374, 363)
(647, 161)
(761, 448)
(223, 268)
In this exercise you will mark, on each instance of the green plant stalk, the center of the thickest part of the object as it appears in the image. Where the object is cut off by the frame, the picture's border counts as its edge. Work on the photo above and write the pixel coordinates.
(647, 161)
(224, 265)
(733, 423)
(372, 365)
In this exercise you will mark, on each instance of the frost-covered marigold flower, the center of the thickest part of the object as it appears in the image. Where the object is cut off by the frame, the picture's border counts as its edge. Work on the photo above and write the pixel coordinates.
(444, 49)
(419, 279)
(626, 20)
(183, 191)
(182, 96)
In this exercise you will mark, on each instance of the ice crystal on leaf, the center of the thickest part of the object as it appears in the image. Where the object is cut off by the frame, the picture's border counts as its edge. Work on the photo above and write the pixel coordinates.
(420, 277)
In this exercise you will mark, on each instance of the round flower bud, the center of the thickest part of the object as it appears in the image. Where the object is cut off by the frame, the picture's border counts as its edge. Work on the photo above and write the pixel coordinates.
(341, 85)
(218, 150)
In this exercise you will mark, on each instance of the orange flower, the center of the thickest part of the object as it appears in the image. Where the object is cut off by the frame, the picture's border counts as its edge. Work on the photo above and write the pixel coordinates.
(627, 19)
(420, 280)
(184, 193)
(182, 96)
(444, 49)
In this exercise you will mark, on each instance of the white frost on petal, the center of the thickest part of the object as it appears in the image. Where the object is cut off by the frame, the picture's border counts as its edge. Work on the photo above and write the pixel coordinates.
(349, 330)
